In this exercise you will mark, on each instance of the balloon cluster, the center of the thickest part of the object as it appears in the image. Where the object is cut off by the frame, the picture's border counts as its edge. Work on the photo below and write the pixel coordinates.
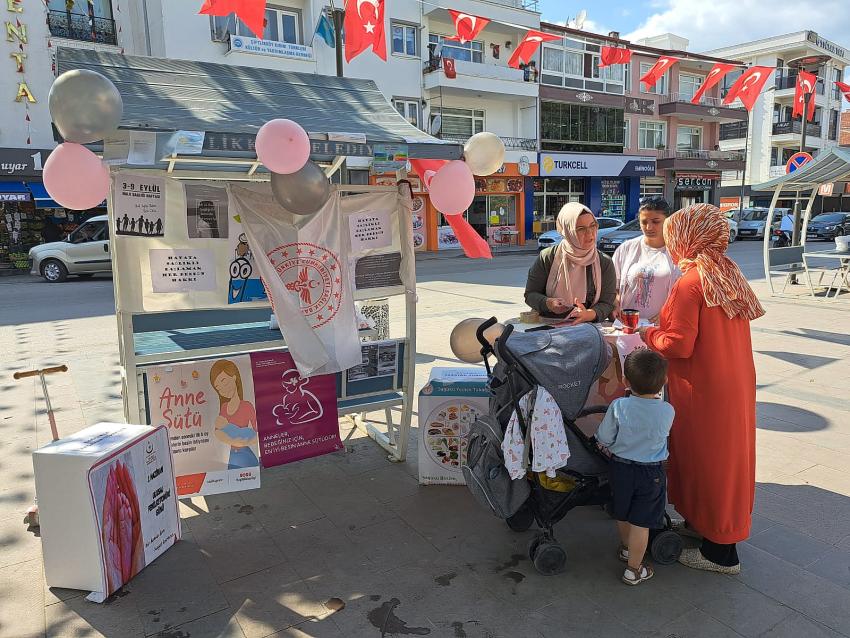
(298, 184)
(85, 107)
(452, 187)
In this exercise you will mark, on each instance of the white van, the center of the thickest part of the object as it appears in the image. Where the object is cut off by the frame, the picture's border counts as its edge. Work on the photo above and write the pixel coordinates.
(83, 253)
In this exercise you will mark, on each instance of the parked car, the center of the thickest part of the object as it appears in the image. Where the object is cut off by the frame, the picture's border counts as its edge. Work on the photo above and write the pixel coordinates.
(828, 226)
(83, 253)
(612, 241)
(552, 237)
(753, 221)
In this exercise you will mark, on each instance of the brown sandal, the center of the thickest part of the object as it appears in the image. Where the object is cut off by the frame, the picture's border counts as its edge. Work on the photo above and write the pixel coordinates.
(636, 577)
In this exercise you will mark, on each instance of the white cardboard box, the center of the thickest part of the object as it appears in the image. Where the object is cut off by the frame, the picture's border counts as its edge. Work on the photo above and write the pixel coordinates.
(448, 405)
(107, 505)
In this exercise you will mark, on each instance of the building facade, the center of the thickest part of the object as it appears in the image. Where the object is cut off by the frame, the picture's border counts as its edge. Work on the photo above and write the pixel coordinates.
(771, 135)
(607, 141)
(33, 31)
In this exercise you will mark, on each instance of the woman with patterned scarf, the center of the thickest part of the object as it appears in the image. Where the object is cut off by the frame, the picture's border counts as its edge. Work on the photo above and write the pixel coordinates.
(705, 335)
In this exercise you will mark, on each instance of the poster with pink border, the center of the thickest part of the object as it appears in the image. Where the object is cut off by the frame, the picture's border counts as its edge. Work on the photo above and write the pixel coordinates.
(297, 417)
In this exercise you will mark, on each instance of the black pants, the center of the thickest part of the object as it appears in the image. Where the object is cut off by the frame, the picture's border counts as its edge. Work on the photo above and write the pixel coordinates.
(725, 555)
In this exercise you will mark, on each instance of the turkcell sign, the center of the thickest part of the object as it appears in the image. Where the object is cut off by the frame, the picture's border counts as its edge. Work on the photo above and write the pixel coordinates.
(595, 165)
(244, 44)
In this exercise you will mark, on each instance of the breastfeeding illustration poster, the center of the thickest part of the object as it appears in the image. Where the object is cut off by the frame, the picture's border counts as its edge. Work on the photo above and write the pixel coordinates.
(297, 416)
(209, 409)
(135, 508)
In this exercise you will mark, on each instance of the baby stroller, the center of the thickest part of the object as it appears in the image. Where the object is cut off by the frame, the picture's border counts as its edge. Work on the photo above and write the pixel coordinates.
(566, 362)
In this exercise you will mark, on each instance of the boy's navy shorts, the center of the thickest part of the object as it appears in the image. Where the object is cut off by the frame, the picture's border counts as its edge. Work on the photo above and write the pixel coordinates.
(639, 491)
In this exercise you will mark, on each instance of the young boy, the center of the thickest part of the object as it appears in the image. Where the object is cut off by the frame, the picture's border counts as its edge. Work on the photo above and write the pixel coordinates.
(635, 431)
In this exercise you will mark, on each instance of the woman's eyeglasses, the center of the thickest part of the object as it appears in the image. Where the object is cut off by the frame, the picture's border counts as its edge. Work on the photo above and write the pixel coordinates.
(583, 230)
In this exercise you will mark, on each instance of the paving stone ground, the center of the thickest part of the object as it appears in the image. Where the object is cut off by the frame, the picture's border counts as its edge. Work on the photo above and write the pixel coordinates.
(350, 545)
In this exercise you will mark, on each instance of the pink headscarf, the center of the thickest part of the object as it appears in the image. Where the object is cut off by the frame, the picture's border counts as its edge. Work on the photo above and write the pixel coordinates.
(568, 276)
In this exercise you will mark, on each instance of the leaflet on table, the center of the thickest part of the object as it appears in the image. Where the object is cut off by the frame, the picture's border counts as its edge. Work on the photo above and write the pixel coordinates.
(208, 408)
(297, 416)
(135, 507)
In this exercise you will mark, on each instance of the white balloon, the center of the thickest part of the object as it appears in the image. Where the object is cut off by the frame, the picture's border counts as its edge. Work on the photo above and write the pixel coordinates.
(465, 344)
(484, 153)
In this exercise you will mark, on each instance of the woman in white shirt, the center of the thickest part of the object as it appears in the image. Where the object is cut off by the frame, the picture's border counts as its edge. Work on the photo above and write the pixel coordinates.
(645, 271)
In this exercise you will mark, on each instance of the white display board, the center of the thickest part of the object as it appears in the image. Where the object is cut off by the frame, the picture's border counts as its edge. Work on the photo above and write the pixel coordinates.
(107, 505)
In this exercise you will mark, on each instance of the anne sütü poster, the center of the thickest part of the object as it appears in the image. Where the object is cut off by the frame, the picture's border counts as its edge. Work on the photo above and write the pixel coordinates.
(209, 409)
(297, 416)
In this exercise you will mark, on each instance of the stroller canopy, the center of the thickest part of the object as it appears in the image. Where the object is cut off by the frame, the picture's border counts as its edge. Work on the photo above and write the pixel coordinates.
(566, 361)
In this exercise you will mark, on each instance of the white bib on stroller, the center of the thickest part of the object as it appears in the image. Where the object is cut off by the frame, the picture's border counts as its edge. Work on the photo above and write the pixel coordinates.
(549, 447)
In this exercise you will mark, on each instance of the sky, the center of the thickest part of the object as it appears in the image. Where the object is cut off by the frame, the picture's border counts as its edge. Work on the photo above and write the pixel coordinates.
(708, 24)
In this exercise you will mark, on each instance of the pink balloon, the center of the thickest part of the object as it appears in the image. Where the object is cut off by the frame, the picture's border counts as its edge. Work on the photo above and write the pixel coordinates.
(75, 177)
(452, 189)
(283, 146)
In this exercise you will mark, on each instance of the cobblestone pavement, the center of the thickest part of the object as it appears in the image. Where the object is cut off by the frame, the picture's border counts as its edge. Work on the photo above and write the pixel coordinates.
(350, 545)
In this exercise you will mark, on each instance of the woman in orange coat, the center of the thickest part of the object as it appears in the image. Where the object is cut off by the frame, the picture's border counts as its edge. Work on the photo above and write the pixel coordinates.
(705, 334)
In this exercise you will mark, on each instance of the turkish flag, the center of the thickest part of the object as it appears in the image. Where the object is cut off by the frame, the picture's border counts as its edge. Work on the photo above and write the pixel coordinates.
(449, 68)
(805, 84)
(845, 89)
(658, 69)
(364, 28)
(528, 46)
(250, 12)
(467, 26)
(614, 55)
(747, 88)
(714, 76)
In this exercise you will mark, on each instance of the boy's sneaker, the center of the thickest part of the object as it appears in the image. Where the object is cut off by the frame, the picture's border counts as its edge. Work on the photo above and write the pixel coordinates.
(637, 576)
(623, 554)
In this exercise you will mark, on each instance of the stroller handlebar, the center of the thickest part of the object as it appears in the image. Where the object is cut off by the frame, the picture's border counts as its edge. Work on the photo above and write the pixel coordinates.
(479, 332)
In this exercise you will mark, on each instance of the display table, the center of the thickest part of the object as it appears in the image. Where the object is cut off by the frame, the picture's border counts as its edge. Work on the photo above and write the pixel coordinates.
(107, 505)
(842, 273)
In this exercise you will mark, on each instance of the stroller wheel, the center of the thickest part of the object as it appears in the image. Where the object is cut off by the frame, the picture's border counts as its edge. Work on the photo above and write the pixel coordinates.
(522, 519)
(533, 544)
(666, 547)
(549, 558)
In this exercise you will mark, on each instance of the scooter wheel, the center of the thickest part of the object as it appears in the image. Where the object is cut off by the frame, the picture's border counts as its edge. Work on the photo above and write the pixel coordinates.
(666, 547)
(550, 558)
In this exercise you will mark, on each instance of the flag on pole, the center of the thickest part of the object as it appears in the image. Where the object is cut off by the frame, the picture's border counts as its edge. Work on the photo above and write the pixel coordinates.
(805, 84)
(714, 76)
(467, 27)
(614, 55)
(658, 70)
(364, 28)
(747, 88)
(845, 90)
(325, 30)
(528, 46)
(251, 12)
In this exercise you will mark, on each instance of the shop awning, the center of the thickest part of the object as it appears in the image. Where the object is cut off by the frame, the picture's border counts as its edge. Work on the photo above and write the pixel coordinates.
(41, 196)
(229, 103)
(14, 192)
(832, 165)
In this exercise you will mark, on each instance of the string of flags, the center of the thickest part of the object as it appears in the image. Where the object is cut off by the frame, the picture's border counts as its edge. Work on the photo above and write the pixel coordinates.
(364, 28)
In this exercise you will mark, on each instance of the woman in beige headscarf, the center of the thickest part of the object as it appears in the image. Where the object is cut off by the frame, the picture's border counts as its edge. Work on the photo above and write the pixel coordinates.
(572, 279)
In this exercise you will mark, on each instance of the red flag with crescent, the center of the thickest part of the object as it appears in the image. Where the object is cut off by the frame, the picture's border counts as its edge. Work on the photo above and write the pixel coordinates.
(364, 28)
(528, 46)
(614, 55)
(651, 77)
(714, 76)
(805, 84)
(449, 68)
(747, 88)
(467, 26)
(251, 12)
(845, 90)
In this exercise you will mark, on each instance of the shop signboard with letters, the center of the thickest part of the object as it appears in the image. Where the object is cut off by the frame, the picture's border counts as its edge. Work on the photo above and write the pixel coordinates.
(595, 165)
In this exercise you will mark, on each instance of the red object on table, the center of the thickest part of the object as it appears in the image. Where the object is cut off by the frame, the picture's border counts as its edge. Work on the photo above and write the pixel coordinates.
(630, 319)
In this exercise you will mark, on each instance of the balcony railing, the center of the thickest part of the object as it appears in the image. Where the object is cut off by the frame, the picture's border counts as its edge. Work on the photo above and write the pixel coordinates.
(483, 70)
(786, 82)
(715, 102)
(699, 154)
(79, 26)
(734, 131)
(514, 143)
(784, 128)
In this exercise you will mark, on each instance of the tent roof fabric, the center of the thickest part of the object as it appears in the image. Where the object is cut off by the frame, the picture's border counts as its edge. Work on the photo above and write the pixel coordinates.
(172, 95)
(832, 165)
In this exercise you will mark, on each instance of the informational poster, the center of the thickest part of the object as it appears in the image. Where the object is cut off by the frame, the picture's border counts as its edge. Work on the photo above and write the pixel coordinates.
(418, 222)
(142, 151)
(139, 205)
(244, 278)
(377, 271)
(208, 408)
(135, 508)
(379, 359)
(389, 158)
(297, 416)
(370, 231)
(206, 211)
(182, 270)
(446, 238)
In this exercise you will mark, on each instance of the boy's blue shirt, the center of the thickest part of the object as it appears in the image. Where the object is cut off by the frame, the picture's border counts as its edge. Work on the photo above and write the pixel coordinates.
(636, 429)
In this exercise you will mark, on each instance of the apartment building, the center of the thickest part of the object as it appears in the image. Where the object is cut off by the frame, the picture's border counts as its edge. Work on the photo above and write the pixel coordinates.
(772, 135)
(844, 132)
(607, 141)
(34, 30)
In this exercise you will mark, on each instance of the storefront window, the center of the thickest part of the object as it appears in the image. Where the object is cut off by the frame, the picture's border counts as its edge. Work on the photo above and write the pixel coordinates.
(550, 194)
(581, 128)
(651, 187)
(613, 199)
